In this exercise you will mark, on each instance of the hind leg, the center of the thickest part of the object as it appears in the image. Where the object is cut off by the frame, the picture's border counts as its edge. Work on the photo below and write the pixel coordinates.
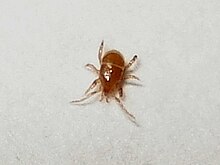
(120, 91)
(131, 117)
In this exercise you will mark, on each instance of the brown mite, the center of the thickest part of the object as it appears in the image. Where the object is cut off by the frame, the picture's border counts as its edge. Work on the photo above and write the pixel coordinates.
(111, 77)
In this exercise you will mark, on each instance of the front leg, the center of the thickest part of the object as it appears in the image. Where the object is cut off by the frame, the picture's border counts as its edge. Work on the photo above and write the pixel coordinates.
(101, 51)
(131, 61)
(92, 68)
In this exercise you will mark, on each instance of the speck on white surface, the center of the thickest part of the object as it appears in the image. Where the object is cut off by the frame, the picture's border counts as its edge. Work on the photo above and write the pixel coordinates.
(44, 46)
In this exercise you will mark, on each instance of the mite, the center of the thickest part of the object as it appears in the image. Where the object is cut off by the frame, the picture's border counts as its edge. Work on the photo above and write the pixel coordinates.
(112, 75)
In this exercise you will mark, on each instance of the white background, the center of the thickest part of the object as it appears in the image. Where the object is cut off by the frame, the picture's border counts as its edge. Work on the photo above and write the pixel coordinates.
(44, 45)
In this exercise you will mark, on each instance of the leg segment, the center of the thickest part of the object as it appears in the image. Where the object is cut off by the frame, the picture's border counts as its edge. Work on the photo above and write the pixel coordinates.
(120, 92)
(131, 77)
(132, 61)
(131, 117)
(92, 68)
(106, 99)
(94, 83)
(102, 97)
(100, 51)
(85, 98)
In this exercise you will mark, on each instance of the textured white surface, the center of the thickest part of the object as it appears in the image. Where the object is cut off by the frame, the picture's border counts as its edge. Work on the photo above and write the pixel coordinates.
(44, 46)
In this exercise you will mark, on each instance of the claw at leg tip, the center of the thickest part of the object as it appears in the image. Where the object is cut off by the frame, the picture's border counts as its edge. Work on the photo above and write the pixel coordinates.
(74, 101)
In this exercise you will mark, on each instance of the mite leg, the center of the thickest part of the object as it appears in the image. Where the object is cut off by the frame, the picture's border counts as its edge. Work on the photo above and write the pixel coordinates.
(102, 97)
(107, 99)
(86, 97)
(92, 68)
(94, 83)
(120, 91)
(131, 117)
(101, 51)
(132, 61)
(131, 77)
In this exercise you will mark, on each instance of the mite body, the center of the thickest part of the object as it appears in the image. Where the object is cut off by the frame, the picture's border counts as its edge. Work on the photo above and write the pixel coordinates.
(111, 77)
(112, 72)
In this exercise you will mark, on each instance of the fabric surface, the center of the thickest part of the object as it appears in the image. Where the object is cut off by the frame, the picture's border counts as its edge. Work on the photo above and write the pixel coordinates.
(44, 46)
